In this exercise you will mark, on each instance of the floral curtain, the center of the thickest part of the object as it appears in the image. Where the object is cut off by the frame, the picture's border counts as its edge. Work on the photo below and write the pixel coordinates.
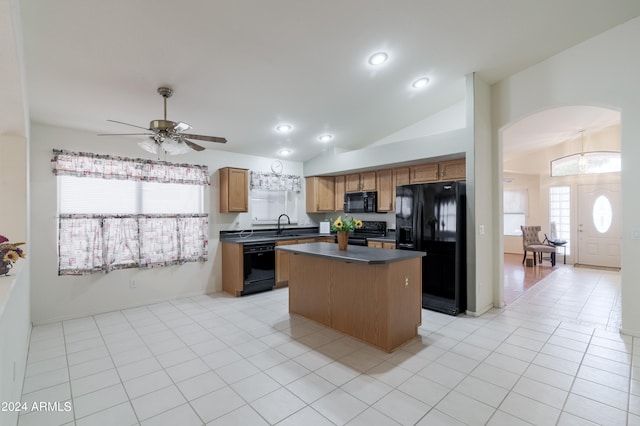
(83, 164)
(93, 243)
(275, 182)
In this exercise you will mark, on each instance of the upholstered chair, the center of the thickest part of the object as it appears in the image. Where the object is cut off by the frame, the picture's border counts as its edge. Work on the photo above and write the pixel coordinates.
(531, 242)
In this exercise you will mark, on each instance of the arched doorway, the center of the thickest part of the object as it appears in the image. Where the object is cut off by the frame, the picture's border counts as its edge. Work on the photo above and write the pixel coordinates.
(527, 146)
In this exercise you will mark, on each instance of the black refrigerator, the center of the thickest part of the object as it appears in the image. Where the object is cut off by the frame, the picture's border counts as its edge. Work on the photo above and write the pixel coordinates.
(431, 217)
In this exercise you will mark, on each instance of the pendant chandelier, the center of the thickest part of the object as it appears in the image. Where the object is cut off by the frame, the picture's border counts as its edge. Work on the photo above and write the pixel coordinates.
(586, 162)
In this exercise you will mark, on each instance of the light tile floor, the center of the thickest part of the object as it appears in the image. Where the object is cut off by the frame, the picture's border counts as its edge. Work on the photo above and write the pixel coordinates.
(553, 357)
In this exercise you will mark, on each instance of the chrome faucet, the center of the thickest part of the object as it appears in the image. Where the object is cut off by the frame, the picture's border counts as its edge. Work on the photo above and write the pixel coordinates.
(279, 231)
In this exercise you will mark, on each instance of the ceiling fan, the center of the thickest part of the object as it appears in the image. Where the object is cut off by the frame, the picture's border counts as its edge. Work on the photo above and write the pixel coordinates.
(165, 135)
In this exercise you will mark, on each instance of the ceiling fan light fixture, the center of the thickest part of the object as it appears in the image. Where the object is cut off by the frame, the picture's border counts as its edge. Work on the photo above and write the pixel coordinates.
(378, 58)
(420, 83)
(174, 147)
(149, 145)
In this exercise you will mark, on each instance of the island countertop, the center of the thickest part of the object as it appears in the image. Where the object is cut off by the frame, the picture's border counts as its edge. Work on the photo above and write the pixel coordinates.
(354, 254)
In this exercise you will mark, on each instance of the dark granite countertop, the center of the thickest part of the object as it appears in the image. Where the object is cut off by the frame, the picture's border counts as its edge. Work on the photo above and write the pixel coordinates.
(355, 254)
(259, 237)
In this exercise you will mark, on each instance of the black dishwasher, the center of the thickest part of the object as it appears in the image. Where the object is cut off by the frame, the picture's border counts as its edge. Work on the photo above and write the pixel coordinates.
(259, 267)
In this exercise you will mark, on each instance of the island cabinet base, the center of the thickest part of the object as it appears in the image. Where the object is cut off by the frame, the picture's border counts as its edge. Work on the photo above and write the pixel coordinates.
(378, 303)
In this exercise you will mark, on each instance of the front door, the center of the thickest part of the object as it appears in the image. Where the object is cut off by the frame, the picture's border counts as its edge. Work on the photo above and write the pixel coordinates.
(599, 231)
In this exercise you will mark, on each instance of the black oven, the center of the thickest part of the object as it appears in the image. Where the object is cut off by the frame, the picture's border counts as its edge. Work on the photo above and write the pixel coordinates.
(360, 202)
(259, 267)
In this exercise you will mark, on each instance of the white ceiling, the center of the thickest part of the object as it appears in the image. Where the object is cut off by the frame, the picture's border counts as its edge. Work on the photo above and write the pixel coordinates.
(239, 67)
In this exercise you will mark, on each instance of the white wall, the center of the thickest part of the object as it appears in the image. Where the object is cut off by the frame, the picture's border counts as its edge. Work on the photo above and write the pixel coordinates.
(13, 184)
(531, 183)
(15, 330)
(601, 71)
(55, 298)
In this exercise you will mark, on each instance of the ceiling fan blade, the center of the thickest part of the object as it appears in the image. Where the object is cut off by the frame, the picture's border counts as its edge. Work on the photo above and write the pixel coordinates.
(124, 134)
(127, 124)
(205, 138)
(181, 127)
(193, 146)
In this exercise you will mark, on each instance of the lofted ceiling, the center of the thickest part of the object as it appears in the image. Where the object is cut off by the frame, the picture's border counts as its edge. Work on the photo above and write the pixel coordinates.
(240, 67)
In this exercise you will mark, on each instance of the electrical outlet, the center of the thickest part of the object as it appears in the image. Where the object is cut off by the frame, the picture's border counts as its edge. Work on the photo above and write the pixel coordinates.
(481, 229)
(132, 283)
(636, 234)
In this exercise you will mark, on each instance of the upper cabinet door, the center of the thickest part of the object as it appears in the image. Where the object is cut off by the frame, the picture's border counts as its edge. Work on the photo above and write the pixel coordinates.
(339, 193)
(234, 190)
(357, 182)
(424, 173)
(352, 183)
(368, 181)
(453, 170)
(386, 190)
(320, 194)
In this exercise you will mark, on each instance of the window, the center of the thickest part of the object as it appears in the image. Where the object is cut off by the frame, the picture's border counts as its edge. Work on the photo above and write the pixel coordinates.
(560, 214)
(119, 213)
(273, 194)
(81, 195)
(587, 163)
(267, 206)
(516, 209)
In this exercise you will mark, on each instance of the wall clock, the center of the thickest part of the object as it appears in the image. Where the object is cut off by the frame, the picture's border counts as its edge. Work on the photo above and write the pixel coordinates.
(277, 167)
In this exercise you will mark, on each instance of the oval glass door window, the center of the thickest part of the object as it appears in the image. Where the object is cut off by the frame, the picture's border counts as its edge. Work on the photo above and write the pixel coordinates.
(602, 214)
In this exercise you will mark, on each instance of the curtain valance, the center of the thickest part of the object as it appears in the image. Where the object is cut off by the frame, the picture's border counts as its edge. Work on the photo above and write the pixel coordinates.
(275, 182)
(83, 164)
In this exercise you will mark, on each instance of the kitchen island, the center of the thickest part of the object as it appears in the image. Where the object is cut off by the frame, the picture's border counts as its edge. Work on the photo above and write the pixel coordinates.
(372, 294)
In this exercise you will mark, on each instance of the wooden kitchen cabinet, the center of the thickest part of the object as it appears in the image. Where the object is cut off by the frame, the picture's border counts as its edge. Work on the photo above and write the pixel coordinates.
(232, 268)
(320, 194)
(339, 189)
(453, 170)
(282, 257)
(360, 182)
(234, 190)
(282, 263)
(424, 173)
(381, 244)
(386, 190)
(438, 172)
(400, 177)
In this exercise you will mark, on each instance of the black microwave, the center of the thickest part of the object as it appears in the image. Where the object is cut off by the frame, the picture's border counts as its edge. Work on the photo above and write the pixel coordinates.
(360, 202)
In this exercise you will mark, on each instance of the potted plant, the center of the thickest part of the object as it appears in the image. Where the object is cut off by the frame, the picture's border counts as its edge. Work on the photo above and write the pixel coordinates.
(342, 228)
(9, 254)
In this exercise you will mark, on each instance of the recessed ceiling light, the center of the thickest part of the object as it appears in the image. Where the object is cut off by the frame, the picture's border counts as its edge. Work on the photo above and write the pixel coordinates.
(325, 138)
(284, 128)
(378, 58)
(420, 83)
(285, 151)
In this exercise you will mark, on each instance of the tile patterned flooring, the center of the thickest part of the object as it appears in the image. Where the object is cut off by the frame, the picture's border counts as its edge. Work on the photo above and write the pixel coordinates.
(552, 357)
(519, 278)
